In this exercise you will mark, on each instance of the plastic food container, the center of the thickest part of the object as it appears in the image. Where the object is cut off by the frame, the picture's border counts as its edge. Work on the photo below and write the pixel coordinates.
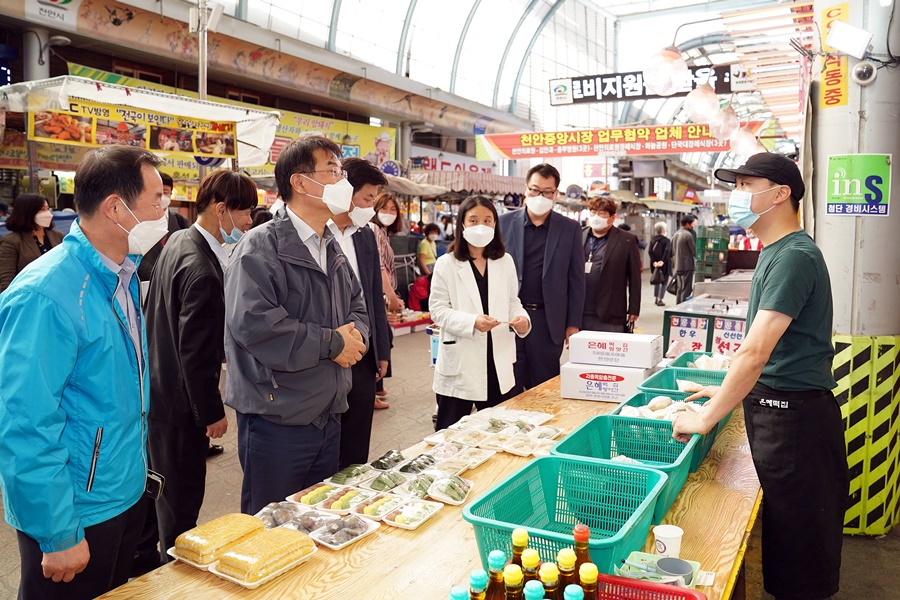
(419, 510)
(256, 584)
(371, 527)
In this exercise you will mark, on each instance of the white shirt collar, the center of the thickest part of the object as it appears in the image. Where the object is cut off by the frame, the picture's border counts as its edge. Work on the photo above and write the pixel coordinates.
(217, 248)
(348, 230)
(303, 230)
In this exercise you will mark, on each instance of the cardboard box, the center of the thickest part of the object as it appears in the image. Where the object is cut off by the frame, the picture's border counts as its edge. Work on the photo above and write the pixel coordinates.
(600, 383)
(616, 349)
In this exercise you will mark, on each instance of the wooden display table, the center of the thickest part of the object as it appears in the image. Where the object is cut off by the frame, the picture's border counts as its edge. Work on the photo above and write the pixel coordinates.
(716, 509)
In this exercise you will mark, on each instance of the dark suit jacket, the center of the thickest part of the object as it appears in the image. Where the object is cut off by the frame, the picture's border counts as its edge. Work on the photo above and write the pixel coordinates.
(17, 250)
(177, 222)
(185, 314)
(370, 275)
(621, 268)
(563, 282)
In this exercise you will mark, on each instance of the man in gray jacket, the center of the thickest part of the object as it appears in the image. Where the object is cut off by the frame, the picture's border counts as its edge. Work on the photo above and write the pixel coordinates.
(684, 249)
(295, 319)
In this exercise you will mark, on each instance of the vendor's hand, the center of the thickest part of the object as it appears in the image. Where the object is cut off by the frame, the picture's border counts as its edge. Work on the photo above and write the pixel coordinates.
(686, 423)
(66, 564)
(394, 303)
(382, 369)
(707, 392)
(520, 324)
(353, 348)
(217, 429)
(485, 323)
(632, 318)
(570, 331)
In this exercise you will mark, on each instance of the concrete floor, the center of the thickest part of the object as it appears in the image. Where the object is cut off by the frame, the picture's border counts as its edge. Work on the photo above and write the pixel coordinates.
(869, 567)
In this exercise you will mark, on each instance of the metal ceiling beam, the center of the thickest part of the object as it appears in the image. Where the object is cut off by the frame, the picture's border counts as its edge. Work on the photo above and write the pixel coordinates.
(534, 38)
(459, 46)
(404, 33)
(509, 43)
(332, 29)
(717, 6)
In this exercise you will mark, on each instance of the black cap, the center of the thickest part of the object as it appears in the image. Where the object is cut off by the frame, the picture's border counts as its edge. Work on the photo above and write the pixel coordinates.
(774, 167)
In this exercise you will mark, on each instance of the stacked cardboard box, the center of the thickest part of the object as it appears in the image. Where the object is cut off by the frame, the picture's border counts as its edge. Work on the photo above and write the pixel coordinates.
(608, 367)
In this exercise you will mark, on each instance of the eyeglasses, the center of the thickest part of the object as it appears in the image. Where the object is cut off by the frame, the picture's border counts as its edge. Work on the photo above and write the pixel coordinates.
(335, 172)
(545, 193)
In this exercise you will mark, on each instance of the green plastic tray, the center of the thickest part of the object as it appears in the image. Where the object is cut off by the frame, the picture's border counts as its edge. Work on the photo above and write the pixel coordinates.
(689, 357)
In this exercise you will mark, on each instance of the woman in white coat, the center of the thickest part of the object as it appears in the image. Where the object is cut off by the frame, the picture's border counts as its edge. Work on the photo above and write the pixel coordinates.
(475, 301)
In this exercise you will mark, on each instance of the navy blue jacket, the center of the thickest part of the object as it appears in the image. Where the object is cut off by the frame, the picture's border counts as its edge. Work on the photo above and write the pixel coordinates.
(370, 275)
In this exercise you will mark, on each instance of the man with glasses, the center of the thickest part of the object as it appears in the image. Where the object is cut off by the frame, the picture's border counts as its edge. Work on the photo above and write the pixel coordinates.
(546, 248)
(76, 388)
(612, 263)
(295, 319)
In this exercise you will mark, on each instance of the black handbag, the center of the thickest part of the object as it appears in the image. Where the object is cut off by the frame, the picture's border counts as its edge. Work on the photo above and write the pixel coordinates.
(658, 276)
(672, 288)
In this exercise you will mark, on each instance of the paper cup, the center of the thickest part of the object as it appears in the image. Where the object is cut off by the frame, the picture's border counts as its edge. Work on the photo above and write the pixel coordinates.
(668, 540)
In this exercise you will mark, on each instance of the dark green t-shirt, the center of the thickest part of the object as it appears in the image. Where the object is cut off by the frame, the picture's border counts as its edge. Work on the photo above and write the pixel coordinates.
(791, 278)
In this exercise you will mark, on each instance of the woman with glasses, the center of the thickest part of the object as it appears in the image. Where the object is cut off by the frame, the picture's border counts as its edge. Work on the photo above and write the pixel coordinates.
(32, 236)
(474, 300)
(387, 222)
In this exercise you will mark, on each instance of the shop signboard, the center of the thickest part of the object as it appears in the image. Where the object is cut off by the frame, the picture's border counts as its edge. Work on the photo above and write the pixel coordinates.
(690, 330)
(835, 73)
(630, 141)
(728, 335)
(432, 159)
(858, 185)
(614, 87)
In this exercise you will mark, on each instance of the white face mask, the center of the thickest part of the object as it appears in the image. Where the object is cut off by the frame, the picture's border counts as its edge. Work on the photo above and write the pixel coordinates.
(433, 237)
(360, 216)
(43, 218)
(479, 235)
(165, 201)
(336, 196)
(387, 219)
(597, 223)
(145, 234)
(539, 205)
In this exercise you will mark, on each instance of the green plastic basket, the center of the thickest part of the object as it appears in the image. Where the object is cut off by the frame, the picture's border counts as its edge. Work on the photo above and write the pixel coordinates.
(683, 360)
(706, 441)
(552, 494)
(712, 243)
(663, 382)
(713, 231)
(645, 440)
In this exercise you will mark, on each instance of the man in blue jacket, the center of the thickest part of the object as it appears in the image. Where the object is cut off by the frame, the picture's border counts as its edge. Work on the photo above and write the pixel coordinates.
(547, 250)
(74, 387)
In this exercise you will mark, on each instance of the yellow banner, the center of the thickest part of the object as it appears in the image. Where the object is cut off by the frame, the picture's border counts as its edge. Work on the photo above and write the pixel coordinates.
(95, 124)
(835, 72)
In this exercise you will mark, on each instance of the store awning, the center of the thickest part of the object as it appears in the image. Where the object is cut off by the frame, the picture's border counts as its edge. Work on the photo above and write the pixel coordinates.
(470, 182)
(402, 185)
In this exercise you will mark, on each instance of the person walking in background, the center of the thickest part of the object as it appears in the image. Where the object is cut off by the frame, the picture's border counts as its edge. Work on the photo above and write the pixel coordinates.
(547, 250)
(474, 300)
(427, 252)
(385, 223)
(176, 222)
(684, 251)
(76, 390)
(358, 243)
(612, 300)
(186, 337)
(660, 253)
(295, 321)
(446, 226)
(31, 236)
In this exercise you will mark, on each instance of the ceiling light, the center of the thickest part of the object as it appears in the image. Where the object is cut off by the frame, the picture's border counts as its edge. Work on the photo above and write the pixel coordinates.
(667, 72)
(743, 142)
(724, 123)
(701, 104)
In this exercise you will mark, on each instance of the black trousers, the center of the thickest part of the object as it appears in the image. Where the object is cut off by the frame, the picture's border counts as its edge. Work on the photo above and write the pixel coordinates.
(451, 410)
(591, 322)
(379, 385)
(111, 544)
(356, 423)
(537, 357)
(797, 444)
(178, 454)
(685, 285)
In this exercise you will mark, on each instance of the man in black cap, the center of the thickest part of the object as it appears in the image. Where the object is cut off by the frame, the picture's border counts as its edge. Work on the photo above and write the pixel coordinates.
(783, 375)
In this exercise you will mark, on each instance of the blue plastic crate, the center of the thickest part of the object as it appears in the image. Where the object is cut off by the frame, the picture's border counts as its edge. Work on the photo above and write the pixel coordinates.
(645, 440)
(552, 494)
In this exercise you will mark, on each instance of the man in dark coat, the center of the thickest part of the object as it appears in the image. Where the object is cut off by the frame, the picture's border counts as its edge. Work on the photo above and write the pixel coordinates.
(185, 323)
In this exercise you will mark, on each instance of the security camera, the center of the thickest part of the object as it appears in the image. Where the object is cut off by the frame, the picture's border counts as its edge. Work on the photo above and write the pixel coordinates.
(864, 73)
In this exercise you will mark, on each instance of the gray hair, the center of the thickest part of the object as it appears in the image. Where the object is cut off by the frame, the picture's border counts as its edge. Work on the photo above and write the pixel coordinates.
(660, 228)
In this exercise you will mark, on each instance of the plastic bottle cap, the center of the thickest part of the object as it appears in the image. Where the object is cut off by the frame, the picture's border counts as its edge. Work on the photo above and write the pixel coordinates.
(566, 559)
(496, 560)
(587, 573)
(478, 580)
(512, 575)
(459, 592)
(581, 533)
(573, 592)
(534, 590)
(530, 558)
(549, 573)
(519, 537)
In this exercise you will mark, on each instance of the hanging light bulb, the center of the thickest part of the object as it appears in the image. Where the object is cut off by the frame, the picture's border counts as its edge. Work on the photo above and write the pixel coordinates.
(724, 124)
(667, 72)
(743, 142)
(702, 104)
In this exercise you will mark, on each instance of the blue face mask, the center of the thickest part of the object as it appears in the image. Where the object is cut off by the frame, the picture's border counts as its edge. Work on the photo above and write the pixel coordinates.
(235, 235)
(739, 207)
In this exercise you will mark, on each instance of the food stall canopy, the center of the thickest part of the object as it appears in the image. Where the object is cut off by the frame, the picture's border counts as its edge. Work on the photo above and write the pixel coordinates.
(255, 128)
(401, 185)
(471, 182)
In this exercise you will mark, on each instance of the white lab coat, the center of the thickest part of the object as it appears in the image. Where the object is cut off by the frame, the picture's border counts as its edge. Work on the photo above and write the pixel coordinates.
(461, 369)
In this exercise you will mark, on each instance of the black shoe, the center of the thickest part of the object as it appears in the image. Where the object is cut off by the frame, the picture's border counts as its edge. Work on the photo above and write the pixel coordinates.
(215, 450)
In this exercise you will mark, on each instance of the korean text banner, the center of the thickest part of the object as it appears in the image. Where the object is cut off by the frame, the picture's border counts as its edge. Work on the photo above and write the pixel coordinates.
(630, 141)
(95, 124)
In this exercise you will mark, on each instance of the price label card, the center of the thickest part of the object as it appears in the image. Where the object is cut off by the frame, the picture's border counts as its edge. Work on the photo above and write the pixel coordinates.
(728, 335)
(690, 330)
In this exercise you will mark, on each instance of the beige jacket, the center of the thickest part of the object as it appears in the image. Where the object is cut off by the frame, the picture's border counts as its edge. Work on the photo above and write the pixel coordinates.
(17, 250)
